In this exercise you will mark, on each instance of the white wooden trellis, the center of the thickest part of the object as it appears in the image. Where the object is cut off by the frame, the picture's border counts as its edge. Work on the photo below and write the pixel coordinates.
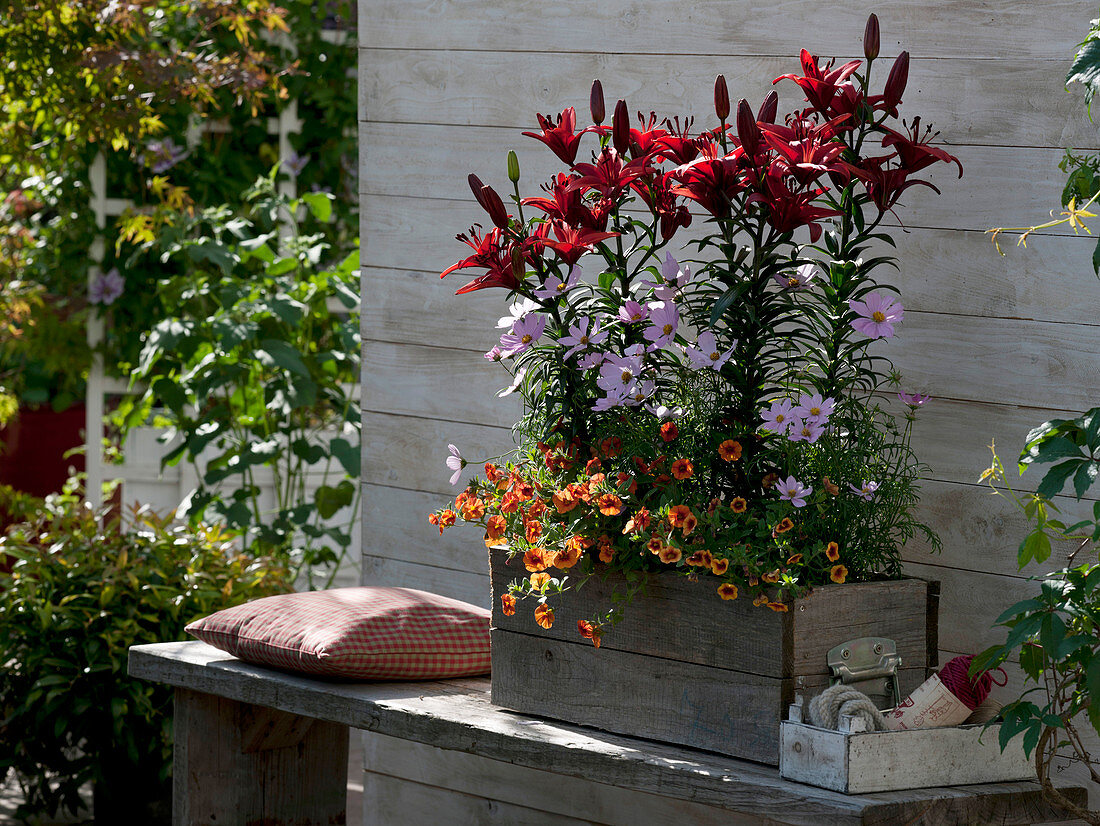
(100, 385)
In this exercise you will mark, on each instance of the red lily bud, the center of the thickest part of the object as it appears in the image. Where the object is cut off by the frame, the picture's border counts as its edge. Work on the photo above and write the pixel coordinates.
(494, 206)
(895, 83)
(747, 130)
(871, 38)
(620, 128)
(596, 102)
(519, 269)
(769, 108)
(475, 187)
(721, 98)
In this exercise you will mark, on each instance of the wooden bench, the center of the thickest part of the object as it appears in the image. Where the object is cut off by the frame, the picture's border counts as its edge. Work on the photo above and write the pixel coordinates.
(258, 746)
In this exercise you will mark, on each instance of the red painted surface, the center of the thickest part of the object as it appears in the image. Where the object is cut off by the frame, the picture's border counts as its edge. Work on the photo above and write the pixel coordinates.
(34, 445)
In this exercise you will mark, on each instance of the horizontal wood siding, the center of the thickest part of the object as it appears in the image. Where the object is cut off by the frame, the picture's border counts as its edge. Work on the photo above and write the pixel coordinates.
(1001, 342)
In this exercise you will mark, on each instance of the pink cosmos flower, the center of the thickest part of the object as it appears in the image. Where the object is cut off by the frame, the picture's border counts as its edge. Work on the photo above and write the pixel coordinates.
(590, 360)
(866, 491)
(525, 333)
(640, 392)
(800, 279)
(878, 314)
(456, 463)
(632, 312)
(814, 408)
(618, 374)
(495, 354)
(517, 380)
(555, 287)
(609, 401)
(778, 417)
(665, 413)
(706, 354)
(664, 319)
(107, 287)
(516, 313)
(580, 337)
(914, 400)
(805, 430)
(793, 491)
(674, 277)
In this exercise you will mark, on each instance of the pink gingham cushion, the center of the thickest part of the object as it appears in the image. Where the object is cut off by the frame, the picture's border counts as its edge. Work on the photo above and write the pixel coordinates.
(366, 633)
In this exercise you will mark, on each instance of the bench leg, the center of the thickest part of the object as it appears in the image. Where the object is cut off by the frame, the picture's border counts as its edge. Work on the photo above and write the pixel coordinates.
(240, 764)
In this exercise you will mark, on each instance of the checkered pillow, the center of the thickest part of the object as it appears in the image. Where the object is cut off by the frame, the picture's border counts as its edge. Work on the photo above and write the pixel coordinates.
(366, 633)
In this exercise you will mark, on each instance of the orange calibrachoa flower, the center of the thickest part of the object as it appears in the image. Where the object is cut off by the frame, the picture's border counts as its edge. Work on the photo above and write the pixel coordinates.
(494, 529)
(593, 466)
(510, 502)
(534, 559)
(794, 559)
(760, 600)
(580, 491)
(445, 519)
(607, 550)
(536, 509)
(540, 580)
(832, 552)
(669, 431)
(570, 555)
(838, 574)
(610, 504)
(727, 590)
(769, 480)
(690, 523)
(730, 450)
(661, 480)
(682, 469)
(596, 479)
(564, 500)
(697, 560)
(544, 615)
(611, 447)
(778, 607)
(532, 531)
(589, 631)
(523, 489)
(719, 566)
(655, 544)
(473, 509)
(784, 526)
(622, 479)
(670, 554)
(830, 488)
(738, 505)
(492, 474)
(771, 577)
(507, 604)
(678, 514)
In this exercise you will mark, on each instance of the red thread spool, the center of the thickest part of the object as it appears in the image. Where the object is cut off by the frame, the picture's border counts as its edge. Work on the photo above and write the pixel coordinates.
(956, 678)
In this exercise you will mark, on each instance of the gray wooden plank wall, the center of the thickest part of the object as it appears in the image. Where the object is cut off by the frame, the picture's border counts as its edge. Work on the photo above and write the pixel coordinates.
(1002, 343)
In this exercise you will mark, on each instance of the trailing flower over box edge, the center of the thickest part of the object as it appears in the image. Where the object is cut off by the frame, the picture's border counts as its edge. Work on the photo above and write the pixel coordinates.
(719, 413)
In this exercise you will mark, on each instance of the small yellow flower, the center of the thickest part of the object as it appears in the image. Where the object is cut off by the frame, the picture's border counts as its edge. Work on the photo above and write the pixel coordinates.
(727, 590)
(838, 574)
(832, 552)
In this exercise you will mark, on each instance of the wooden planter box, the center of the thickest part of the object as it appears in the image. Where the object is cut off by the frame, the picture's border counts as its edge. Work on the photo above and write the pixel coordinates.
(686, 667)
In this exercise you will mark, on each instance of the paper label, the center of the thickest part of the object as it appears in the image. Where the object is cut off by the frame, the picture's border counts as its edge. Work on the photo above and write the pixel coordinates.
(932, 705)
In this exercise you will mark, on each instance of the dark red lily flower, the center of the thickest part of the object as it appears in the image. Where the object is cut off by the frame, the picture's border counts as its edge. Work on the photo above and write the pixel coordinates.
(914, 150)
(567, 203)
(676, 145)
(610, 175)
(820, 82)
(560, 136)
(660, 199)
(871, 38)
(489, 200)
(573, 242)
(711, 182)
(645, 141)
(490, 253)
(805, 150)
(885, 184)
(788, 210)
(748, 133)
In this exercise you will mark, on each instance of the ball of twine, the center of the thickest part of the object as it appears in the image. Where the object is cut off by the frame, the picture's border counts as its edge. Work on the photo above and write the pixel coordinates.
(836, 701)
(955, 676)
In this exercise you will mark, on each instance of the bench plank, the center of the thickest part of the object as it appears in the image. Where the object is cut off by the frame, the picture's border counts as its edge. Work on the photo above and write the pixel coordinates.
(457, 715)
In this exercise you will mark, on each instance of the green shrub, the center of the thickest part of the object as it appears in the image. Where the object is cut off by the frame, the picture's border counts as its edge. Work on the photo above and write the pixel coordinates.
(83, 587)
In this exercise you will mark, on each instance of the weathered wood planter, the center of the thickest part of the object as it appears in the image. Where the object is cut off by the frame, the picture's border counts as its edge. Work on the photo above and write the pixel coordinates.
(686, 667)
